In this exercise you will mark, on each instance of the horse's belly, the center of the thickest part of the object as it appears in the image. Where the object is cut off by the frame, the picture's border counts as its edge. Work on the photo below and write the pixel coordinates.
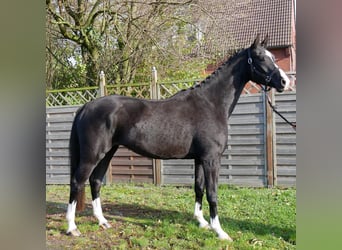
(171, 152)
(161, 141)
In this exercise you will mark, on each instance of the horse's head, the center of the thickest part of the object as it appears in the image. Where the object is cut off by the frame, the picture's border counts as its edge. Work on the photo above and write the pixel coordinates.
(264, 70)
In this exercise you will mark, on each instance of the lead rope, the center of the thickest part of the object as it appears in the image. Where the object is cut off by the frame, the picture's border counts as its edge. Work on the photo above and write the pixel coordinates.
(293, 124)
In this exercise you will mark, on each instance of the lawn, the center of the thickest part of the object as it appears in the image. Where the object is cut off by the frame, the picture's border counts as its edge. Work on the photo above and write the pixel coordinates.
(150, 217)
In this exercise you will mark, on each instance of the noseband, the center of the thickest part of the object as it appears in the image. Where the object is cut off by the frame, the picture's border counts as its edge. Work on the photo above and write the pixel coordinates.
(255, 71)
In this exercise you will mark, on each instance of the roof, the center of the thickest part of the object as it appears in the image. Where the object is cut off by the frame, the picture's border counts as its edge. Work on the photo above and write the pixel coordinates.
(233, 24)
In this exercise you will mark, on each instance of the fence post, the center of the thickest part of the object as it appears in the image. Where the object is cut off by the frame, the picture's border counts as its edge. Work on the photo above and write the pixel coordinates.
(154, 84)
(274, 142)
(270, 132)
(155, 95)
(102, 84)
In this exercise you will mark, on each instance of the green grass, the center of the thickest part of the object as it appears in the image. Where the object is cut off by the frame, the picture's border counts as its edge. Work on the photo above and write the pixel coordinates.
(150, 217)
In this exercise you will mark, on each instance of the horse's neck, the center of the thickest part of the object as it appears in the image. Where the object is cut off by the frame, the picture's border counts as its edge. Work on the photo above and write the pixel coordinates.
(226, 86)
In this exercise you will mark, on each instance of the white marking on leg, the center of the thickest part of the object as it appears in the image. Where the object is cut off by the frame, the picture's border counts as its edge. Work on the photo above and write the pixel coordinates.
(215, 225)
(70, 216)
(97, 210)
(285, 78)
(198, 214)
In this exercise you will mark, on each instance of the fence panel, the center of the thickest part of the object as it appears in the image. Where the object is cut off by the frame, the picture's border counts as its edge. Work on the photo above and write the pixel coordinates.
(65, 97)
(168, 89)
(286, 140)
(134, 90)
(58, 126)
(243, 161)
(127, 166)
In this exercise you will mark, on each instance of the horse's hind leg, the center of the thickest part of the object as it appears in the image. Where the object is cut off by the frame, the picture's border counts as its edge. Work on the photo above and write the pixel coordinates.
(77, 194)
(199, 191)
(95, 181)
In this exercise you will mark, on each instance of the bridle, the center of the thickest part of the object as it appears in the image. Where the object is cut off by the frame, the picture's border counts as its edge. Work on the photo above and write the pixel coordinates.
(255, 71)
(266, 88)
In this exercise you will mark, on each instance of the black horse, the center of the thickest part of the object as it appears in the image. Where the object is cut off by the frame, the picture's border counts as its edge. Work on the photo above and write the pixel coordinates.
(190, 124)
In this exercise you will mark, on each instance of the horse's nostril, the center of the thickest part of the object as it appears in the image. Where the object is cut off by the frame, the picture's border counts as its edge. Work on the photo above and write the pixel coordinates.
(283, 82)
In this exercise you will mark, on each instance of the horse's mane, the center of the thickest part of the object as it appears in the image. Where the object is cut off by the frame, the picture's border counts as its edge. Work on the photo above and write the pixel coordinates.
(210, 77)
(231, 58)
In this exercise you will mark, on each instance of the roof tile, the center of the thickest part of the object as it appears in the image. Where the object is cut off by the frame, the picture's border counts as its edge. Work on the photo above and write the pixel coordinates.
(234, 24)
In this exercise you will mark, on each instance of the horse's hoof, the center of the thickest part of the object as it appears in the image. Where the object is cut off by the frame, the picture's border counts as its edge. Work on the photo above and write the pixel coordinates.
(225, 236)
(204, 225)
(105, 225)
(75, 233)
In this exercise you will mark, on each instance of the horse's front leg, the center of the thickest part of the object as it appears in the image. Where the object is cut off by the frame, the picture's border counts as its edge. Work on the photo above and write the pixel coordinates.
(199, 191)
(211, 172)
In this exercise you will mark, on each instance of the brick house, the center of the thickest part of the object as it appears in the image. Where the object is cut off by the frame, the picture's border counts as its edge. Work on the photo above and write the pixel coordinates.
(232, 25)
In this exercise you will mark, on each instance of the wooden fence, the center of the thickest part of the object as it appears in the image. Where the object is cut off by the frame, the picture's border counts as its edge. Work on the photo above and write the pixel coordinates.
(244, 162)
(261, 148)
(150, 90)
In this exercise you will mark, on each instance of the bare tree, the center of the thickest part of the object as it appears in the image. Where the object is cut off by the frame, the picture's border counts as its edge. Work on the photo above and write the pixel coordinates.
(118, 36)
(78, 21)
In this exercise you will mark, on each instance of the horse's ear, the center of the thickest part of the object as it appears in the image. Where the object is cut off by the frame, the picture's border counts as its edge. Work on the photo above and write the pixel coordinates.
(256, 41)
(264, 43)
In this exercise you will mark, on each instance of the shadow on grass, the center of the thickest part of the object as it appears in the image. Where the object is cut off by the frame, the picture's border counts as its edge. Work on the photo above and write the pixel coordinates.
(146, 215)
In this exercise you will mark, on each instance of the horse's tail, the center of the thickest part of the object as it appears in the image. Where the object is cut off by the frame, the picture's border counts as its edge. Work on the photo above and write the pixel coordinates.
(74, 150)
(80, 205)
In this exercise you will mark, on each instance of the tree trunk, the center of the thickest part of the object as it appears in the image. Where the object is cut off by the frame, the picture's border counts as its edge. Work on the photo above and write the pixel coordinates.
(91, 59)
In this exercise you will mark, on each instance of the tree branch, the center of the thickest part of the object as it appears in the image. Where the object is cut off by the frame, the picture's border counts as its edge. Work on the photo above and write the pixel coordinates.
(56, 57)
(62, 25)
(93, 14)
(162, 2)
